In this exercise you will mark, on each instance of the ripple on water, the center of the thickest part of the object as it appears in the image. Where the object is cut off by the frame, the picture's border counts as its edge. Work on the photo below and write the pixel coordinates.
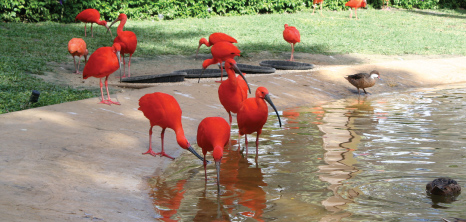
(364, 159)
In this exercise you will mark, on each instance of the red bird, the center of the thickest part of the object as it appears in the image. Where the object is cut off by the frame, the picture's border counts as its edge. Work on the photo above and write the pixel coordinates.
(221, 51)
(77, 47)
(127, 40)
(315, 4)
(163, 110)
(355, 4)
(213, 134)
(230, 91)
(253, 115)
(215, 38)
(91, 16)
(103, 62)
(292, 36)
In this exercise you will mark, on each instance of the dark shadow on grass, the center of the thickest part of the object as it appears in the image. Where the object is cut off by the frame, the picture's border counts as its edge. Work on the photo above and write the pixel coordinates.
(440, 14)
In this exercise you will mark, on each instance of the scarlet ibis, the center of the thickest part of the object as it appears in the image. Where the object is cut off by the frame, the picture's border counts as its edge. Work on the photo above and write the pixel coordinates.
(127, 40)
(77, 47)
(230, 91)
(213, 134)
(315, 4)
(221, 51)
(103, 62)
(253, 115)
(214, 38)
(355, 4)
(163, 110)
(91, 16)
(292, 36)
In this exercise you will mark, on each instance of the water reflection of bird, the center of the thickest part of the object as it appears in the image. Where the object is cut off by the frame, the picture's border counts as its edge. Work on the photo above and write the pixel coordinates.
(163, 110)
(253, 115)
(127, 40)
(168, 198)
(292, 36)
(77, 47)
(91, 16)
(230, 91)
(213, 135)
(215, 38)
(363, 80)
(243, 184)
(102, 63)
(443, 187)
(210, 210)
(355, 4)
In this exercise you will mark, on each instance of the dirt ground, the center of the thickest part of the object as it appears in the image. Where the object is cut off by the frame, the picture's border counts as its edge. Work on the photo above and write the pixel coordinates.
(82, 160)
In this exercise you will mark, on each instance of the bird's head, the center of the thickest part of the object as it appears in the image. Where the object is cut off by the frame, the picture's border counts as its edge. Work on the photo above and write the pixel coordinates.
(286, 26)
(231, 64)
(263, 93)
(183, 143)
(121, 17)
(207, 63)
(218, 153)
(375, 74)
(201, 42)
(104, 23)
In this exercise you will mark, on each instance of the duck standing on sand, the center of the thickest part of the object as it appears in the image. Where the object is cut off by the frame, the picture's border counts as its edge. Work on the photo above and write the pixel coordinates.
(363, 80)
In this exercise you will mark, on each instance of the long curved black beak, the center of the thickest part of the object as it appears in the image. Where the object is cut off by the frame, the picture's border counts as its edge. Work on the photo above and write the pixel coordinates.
(119, 63)
(267, 98)
(108, 30)
(200, 75)
(217, 165)
(197, 51)
(196, 154)
(116, 20)
(235, 67)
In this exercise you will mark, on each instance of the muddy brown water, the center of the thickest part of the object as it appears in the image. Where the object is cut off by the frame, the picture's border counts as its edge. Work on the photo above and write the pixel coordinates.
(357, 159)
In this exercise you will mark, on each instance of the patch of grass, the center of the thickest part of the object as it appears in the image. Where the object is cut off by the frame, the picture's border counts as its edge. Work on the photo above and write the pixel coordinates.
(15, 91)
(27, 48)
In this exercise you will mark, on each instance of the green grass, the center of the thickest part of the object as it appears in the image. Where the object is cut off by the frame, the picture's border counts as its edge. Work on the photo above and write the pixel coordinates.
(27, 48)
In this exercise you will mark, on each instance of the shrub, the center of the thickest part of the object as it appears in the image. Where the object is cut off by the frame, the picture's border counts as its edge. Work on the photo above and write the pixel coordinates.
(66, 10)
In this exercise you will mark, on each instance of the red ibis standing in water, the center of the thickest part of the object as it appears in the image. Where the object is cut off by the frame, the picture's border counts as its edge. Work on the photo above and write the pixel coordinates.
(213, 135)
(253, 115)
(163, 110)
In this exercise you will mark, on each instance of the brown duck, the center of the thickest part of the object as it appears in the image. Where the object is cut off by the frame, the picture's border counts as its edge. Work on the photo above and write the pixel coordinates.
(363, 80)
(443, 187)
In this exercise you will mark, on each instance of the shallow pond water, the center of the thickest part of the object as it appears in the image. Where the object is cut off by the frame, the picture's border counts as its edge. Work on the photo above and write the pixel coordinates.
(357, 159)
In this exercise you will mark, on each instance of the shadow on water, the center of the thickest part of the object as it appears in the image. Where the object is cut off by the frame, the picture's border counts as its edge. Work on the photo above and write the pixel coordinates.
(366, 158)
